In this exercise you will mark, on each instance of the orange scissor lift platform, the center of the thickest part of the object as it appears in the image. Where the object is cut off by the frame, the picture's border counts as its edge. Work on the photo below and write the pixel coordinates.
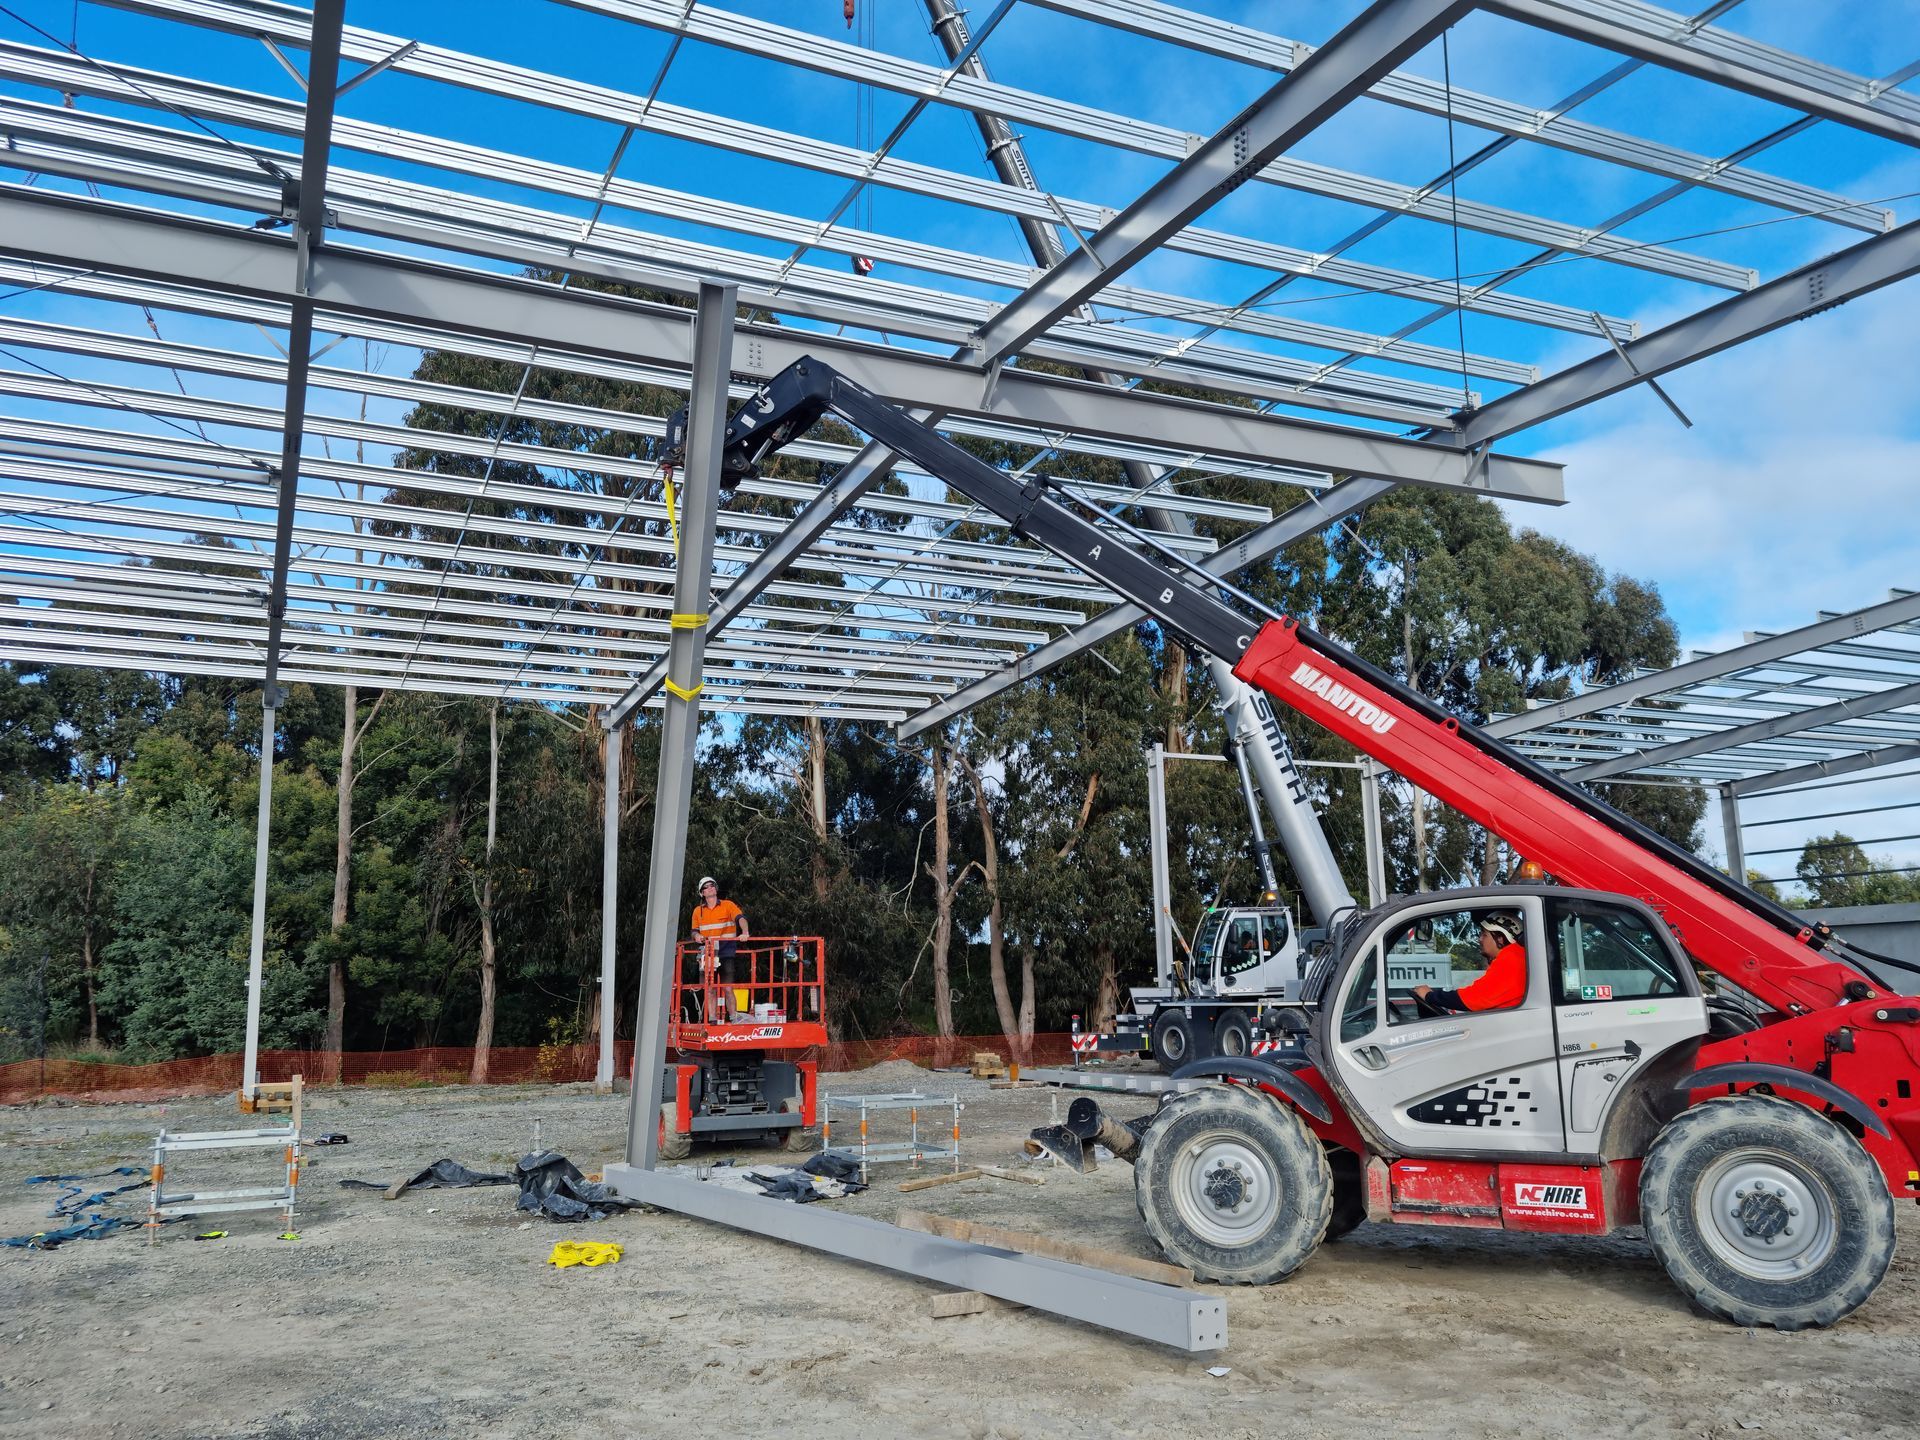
(742, 1029)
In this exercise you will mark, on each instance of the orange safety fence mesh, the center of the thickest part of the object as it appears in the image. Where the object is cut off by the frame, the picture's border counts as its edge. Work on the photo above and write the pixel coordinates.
(26, 1080)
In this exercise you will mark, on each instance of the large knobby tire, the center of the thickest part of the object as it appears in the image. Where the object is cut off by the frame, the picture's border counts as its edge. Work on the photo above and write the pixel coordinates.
(1232, 1033)
(1231, 1184)
(673, 1145)
(1172, 1040)
(1349, 1192)
(1766, 1213)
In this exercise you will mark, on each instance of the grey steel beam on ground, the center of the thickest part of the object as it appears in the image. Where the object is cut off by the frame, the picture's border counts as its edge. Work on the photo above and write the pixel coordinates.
(1187, 1319)
(95, 235)
(1386, 33)
(1900, 609)
(1824, 283)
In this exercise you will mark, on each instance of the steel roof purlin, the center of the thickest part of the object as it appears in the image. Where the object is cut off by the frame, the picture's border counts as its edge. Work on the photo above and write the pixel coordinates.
(279, 491)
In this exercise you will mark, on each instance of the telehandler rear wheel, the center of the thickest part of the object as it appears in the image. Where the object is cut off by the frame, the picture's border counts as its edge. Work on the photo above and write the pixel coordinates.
(1232, 1184)
(1766, 1213)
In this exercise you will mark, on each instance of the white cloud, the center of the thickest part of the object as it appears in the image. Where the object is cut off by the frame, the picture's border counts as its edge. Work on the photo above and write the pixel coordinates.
(1797, 490)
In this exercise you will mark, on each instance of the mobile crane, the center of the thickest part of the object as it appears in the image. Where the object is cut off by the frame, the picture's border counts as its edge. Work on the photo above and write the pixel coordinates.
(1761, 1150)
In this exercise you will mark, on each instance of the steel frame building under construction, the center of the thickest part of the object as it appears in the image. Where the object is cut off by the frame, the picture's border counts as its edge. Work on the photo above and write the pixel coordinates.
(190, 507)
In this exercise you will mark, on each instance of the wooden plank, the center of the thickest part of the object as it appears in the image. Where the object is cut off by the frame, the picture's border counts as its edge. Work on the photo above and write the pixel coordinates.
(927, 1182)
(1027, 1243)
(960, 1302)
(1000, 1173)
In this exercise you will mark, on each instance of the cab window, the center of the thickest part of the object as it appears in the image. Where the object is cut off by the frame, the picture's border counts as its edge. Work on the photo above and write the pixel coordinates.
(1604, 952)
(1361, 1012)
(1241, 950)
(1440, 950)
(1273, 931)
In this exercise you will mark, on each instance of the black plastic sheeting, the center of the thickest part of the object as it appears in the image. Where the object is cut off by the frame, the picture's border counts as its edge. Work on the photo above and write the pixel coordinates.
(552, 1185)
(440, 1175)
(836, 1165)
(91, 1221)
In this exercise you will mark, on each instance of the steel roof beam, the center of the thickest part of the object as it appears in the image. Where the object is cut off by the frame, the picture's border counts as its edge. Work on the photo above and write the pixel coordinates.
(1385, 34)
(309, 235)
(1246, 45)
(1900, 609)
(654, 116)
(127, 154)
(1722, 58)
(221, 103)
(1822, 769)
(1831, 281)
(92, 234)
(1231, 559)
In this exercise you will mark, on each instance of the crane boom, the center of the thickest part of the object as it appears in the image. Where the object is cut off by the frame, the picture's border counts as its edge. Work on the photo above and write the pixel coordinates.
(1753, 942)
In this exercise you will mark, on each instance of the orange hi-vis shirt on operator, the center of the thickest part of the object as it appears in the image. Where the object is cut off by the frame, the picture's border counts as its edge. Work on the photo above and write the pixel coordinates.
(1503, 986)
(716, 922)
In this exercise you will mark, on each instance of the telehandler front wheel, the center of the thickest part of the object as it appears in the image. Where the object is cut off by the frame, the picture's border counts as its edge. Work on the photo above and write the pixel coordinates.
(1231, 1184)
(1766, 1213)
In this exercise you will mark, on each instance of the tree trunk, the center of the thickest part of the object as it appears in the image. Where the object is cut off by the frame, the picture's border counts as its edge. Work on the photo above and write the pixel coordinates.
(943, 887)
(1490, 858)
(1173, 685)
(1023, 1044)
(1106, 998)
(483, 1032)
(817, 801)
(1010, 1022)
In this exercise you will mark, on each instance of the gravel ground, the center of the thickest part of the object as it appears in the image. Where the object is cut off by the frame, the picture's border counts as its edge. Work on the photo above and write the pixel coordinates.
(435, 1315)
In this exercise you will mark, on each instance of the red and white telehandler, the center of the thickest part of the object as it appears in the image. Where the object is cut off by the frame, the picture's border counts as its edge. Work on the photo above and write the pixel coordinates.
(1758, 1128)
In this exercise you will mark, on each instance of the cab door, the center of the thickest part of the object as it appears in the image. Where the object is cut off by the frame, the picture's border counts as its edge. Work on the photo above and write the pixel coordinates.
(1484, 1082)
(1624, 994)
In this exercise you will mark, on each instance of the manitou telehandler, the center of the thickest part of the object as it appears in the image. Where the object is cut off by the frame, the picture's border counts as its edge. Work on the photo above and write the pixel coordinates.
(1760, 1145)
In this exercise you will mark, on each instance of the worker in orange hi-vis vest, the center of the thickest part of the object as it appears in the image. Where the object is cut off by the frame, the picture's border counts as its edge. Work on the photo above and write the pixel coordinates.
(720, 926)
(1503, 986)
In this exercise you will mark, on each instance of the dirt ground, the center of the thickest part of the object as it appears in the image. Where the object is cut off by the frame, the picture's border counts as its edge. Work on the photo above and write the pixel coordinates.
(435, 1315)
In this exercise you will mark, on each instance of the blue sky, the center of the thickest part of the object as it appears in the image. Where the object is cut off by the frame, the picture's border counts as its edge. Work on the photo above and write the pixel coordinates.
(1789, 495)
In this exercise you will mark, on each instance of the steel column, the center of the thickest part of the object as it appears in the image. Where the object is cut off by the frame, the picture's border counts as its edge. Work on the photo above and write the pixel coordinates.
(1269, 539)
(615, 739)
(1368, 48)
(257, 933)
(1730, 827)
(1376, 845)
(1821, 285)
(680, 728)
(1162, 880)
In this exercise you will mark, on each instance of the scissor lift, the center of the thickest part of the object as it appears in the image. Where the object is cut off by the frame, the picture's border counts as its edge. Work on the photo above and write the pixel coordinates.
(735, 1061)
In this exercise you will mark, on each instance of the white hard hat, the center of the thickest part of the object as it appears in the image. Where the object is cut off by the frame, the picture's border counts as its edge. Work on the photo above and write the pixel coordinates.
(1503, 924)
(706, 880)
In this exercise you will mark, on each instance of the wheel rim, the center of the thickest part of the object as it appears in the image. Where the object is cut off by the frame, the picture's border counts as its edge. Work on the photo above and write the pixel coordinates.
(1225, 1190)
(1173, 1044)
(1233, 1040)
(1765, 1214)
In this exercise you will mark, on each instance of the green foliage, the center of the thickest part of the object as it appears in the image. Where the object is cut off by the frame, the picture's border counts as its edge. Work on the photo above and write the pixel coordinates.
(1836, 871)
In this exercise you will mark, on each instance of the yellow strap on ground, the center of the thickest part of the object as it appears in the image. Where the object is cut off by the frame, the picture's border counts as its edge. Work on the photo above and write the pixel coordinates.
(680, 690)
(673, 525)
(687, 622)
(584, 1252)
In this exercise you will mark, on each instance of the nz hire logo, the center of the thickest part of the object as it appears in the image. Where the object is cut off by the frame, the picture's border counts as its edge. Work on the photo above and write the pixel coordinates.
(1341, 698)
(1551, 1197)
